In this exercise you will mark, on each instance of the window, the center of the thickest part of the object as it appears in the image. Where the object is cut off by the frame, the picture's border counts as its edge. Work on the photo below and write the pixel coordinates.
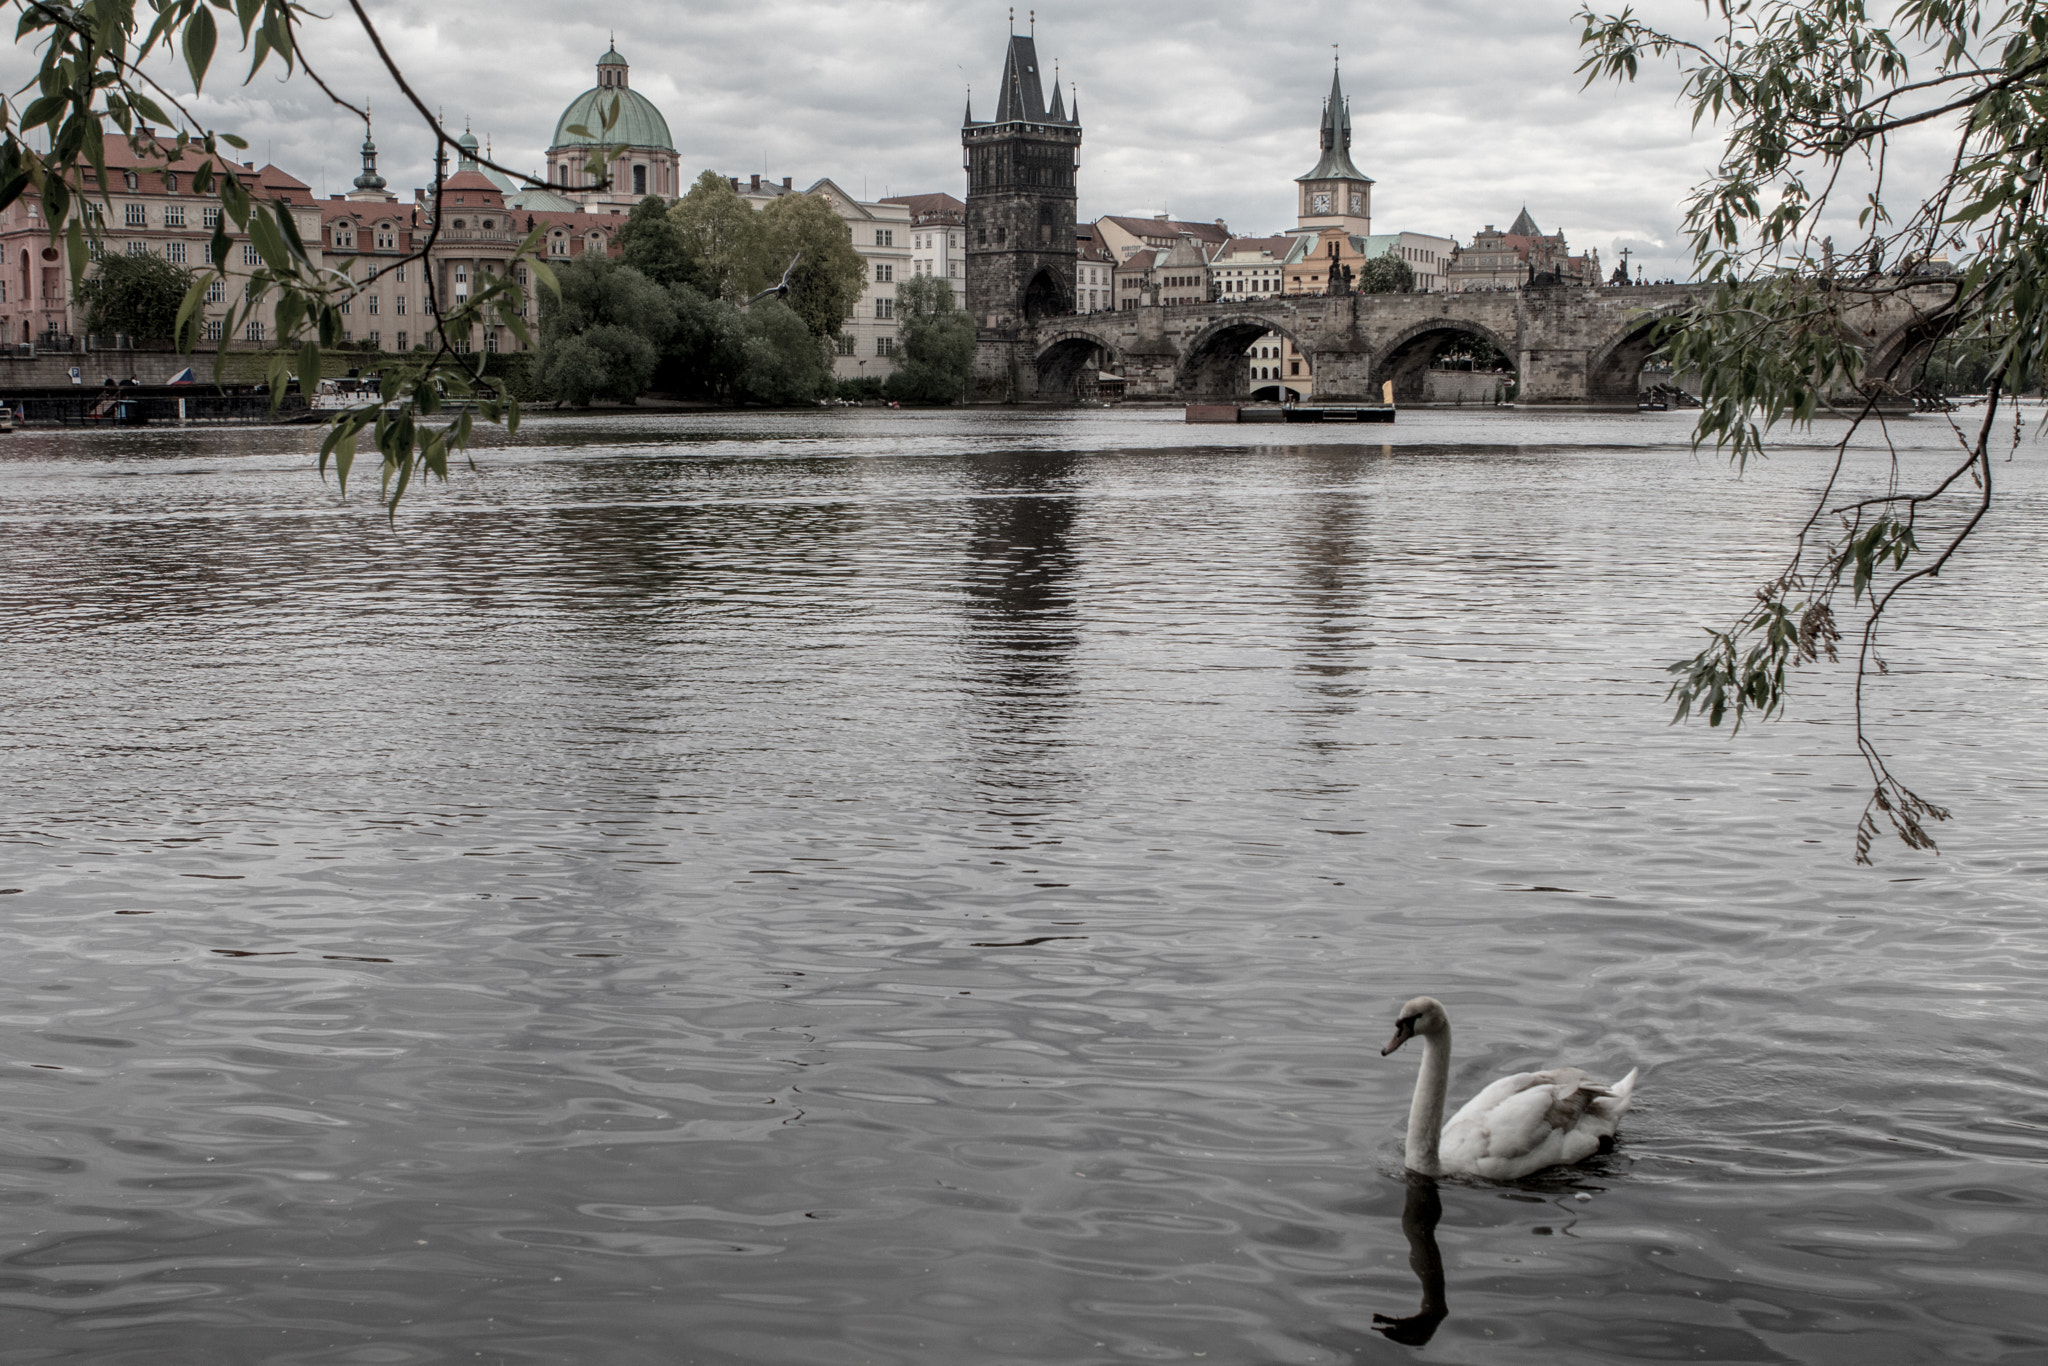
(216, 292)
(129, 181)
(843, 344)
(345, 306)
(1294, 367)
(491, 340)
(174, 252)
(460, 346)
(559, 246)
(137, 216)
(401, 341)
(885, 346)
(209, 216)
(401, 279)
(171, 183)
(885, 237)
(885, 308)
(174, 215)
(250, 257)
(884, 273)
(387, 239)
(373, 305)
(206, 253)
(253, 332)
(639, 180)
(138, 249)
(398, 306)
(376, 339)
(210, 330)
(94, 248)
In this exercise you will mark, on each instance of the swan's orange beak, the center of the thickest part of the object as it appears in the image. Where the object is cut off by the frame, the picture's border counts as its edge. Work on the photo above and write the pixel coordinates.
(1403, 1032)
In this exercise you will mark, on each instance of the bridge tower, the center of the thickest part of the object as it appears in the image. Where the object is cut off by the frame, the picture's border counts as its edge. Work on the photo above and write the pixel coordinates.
(1021, 251)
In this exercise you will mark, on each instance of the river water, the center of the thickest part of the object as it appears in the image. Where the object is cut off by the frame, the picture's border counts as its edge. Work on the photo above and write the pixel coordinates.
(931, 888)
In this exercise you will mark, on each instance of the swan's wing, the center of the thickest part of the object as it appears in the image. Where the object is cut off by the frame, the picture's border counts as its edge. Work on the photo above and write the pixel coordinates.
(1524, 1123)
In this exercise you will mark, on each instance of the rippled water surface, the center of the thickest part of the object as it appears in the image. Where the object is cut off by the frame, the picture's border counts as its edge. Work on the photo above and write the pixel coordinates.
(886, 888)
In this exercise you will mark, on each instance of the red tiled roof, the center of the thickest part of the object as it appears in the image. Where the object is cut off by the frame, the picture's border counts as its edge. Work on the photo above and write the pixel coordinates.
(939, 208)
(1142, 227)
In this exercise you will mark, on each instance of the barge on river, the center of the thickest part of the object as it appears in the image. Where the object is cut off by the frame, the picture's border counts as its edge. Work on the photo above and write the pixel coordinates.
(1292, 412)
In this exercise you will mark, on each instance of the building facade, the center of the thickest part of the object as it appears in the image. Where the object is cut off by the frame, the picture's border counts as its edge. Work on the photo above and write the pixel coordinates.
(146, 207)
(1522, 255)
(1250, 267)
(938, 227)
(1094, 272)
(1021, 170)
(1125, 236)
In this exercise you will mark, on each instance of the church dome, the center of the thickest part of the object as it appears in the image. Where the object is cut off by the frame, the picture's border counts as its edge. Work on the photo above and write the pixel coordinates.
(639, 123)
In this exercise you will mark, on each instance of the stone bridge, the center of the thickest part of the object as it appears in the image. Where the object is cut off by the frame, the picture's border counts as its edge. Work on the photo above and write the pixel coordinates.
(1569, 345)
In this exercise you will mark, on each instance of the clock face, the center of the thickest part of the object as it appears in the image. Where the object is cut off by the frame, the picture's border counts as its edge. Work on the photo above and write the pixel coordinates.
(1357, 202)
(1319, 202)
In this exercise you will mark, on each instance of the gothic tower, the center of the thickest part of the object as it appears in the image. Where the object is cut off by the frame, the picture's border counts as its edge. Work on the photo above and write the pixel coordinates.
(1020, 200)
(1336, 193)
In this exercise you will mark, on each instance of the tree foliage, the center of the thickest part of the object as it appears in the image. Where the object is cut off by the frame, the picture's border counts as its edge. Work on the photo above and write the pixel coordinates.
(136, 296)
(1813, 96)
(829, 274)
(653, 243)
(1387, 274)
(728, 239)
(938, 343)
(605, 336)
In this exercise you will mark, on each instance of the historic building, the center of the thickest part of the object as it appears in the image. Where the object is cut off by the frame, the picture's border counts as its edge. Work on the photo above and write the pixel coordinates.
(146, 207)
(938, 227)
(646, 163)
(1522, 255)
(1126, 236)
(1249, 267)
(1094, 271)
(1335, 194)
(1021, 167)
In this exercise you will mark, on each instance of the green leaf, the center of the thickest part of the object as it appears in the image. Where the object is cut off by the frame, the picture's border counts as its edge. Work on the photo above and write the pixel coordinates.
(200, 38)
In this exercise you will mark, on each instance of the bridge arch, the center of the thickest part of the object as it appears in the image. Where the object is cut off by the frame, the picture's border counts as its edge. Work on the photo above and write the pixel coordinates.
(1899, 359)
(1406, 357)
(1212, 362)
(1066, 356)
(1614, 372)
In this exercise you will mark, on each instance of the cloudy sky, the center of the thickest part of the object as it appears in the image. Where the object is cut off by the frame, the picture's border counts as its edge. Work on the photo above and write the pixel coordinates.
(1464, 110)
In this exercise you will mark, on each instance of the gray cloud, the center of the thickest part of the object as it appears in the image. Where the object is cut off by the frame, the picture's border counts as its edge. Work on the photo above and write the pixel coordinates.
(1464, 111)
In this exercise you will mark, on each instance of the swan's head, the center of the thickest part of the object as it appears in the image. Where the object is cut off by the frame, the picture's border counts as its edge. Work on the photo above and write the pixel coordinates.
(1424, 1015)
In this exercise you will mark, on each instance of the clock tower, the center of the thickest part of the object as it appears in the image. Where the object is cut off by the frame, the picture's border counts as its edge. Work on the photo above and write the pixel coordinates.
(1336, 194)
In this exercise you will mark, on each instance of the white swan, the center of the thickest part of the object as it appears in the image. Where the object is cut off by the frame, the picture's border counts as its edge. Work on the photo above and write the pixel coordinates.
(1518, 1125)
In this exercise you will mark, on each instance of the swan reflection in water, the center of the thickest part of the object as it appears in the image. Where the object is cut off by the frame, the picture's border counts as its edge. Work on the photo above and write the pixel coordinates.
(1419, 1216)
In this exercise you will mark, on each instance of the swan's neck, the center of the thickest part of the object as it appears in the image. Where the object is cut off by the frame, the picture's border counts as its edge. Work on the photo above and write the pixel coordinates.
(1426, 1112)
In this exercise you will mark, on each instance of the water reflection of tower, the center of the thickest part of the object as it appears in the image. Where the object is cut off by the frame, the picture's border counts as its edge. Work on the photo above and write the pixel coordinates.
(1022, 627)
(1332, 579)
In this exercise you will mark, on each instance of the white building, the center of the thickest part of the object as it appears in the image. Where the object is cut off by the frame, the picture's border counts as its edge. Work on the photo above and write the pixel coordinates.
(938, 226)
(1427, 255)
(1249, 267)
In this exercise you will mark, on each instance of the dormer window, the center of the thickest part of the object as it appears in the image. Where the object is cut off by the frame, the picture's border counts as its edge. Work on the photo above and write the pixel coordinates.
(129, 180)
(487, 223)
(171, 183)
(458, 222)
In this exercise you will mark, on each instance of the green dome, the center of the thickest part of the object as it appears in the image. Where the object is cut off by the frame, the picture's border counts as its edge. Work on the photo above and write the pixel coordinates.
(639, 123)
